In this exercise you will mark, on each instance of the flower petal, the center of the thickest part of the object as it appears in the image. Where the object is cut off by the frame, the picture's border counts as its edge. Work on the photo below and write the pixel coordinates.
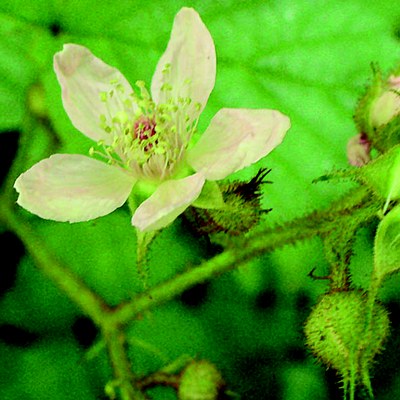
(191, 56)
(359, 150)
(169, 200)
(71, 187)
(235, 139)
(83, 77)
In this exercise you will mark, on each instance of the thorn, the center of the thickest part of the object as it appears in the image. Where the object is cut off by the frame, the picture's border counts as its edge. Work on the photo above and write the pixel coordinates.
(312, 276)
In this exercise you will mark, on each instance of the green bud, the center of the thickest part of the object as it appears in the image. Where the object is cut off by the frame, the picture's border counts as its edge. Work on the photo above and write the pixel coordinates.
(200, 380)
(377, 113)
(239, 210)
(337, 333)
(387, 105)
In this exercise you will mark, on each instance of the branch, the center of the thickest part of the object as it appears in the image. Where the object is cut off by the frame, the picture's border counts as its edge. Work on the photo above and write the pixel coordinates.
(70, 284)
(359, 206)
(124, 378)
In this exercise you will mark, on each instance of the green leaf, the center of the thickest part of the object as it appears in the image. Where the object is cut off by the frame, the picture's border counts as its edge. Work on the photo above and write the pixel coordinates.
(387, 244)
(51, 370)
(24, 51)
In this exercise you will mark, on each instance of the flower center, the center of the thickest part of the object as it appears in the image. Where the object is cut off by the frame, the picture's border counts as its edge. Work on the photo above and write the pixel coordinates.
(145, 138)
(144, 128)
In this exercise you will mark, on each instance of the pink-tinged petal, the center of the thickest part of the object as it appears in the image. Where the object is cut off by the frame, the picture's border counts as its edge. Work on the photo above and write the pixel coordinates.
(83, 77)
(359, 150)
(169, 200)
(394, 82)
(74, 188)
(235, 139)
(191, 56)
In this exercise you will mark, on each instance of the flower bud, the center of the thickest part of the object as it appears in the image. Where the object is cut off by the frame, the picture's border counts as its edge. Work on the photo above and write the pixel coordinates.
(241, 209)
(200, 380)
(387, 105)
(358, 150)
(338, 333)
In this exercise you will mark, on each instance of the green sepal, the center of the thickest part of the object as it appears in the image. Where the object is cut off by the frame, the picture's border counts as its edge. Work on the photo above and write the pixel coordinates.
(387, 245)
(382, 175)
(388, 135)
(141, 191)
(362, 114)
(240, 211)
(395, 71)
(210, 196)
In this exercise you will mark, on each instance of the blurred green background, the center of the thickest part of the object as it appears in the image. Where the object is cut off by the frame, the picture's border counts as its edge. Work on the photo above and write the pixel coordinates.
(310, 60)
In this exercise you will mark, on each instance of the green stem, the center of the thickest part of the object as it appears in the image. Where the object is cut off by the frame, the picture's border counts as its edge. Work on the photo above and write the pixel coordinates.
(116, 342)
(371, 299)
(111, 321)
(142, 248)
(259, 243)
(90, 303)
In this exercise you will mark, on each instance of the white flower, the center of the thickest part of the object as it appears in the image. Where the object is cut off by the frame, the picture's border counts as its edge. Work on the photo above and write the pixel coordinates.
(145, 139)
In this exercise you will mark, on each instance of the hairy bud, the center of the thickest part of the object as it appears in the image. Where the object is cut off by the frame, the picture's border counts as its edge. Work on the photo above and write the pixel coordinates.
(200, 380)
(342, 335)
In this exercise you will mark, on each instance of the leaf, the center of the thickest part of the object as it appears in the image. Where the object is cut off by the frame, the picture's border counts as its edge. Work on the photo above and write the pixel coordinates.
(309, 71)
(387, 244)
(47, 371)
(24, 51)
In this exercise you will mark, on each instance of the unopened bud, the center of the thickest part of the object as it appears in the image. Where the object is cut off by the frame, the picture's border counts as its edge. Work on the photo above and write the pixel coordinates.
(242, 210)
(200, 380)
(359, 150)
(387, 105)
(338, 333)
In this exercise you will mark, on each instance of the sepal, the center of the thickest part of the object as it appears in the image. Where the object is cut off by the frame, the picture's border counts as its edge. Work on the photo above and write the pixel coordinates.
(362, 114)
(387, 245)
(241, 211)
(210, 196)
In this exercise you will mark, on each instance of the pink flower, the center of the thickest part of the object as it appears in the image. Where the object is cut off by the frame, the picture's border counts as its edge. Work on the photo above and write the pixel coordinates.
(146, 140)
(359, 150)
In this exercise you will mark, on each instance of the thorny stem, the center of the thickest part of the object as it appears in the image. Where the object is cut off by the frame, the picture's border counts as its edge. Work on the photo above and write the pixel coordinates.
(112, 320)
(316, 223)
(85, 298)
(142, 248)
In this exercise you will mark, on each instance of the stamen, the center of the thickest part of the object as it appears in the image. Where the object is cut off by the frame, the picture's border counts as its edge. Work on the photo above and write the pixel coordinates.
(146, 138)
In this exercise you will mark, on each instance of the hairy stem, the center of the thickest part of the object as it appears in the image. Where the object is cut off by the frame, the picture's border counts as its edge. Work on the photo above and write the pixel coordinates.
(89, 302)
(317, 223)
(112, 320)
(115, 339)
